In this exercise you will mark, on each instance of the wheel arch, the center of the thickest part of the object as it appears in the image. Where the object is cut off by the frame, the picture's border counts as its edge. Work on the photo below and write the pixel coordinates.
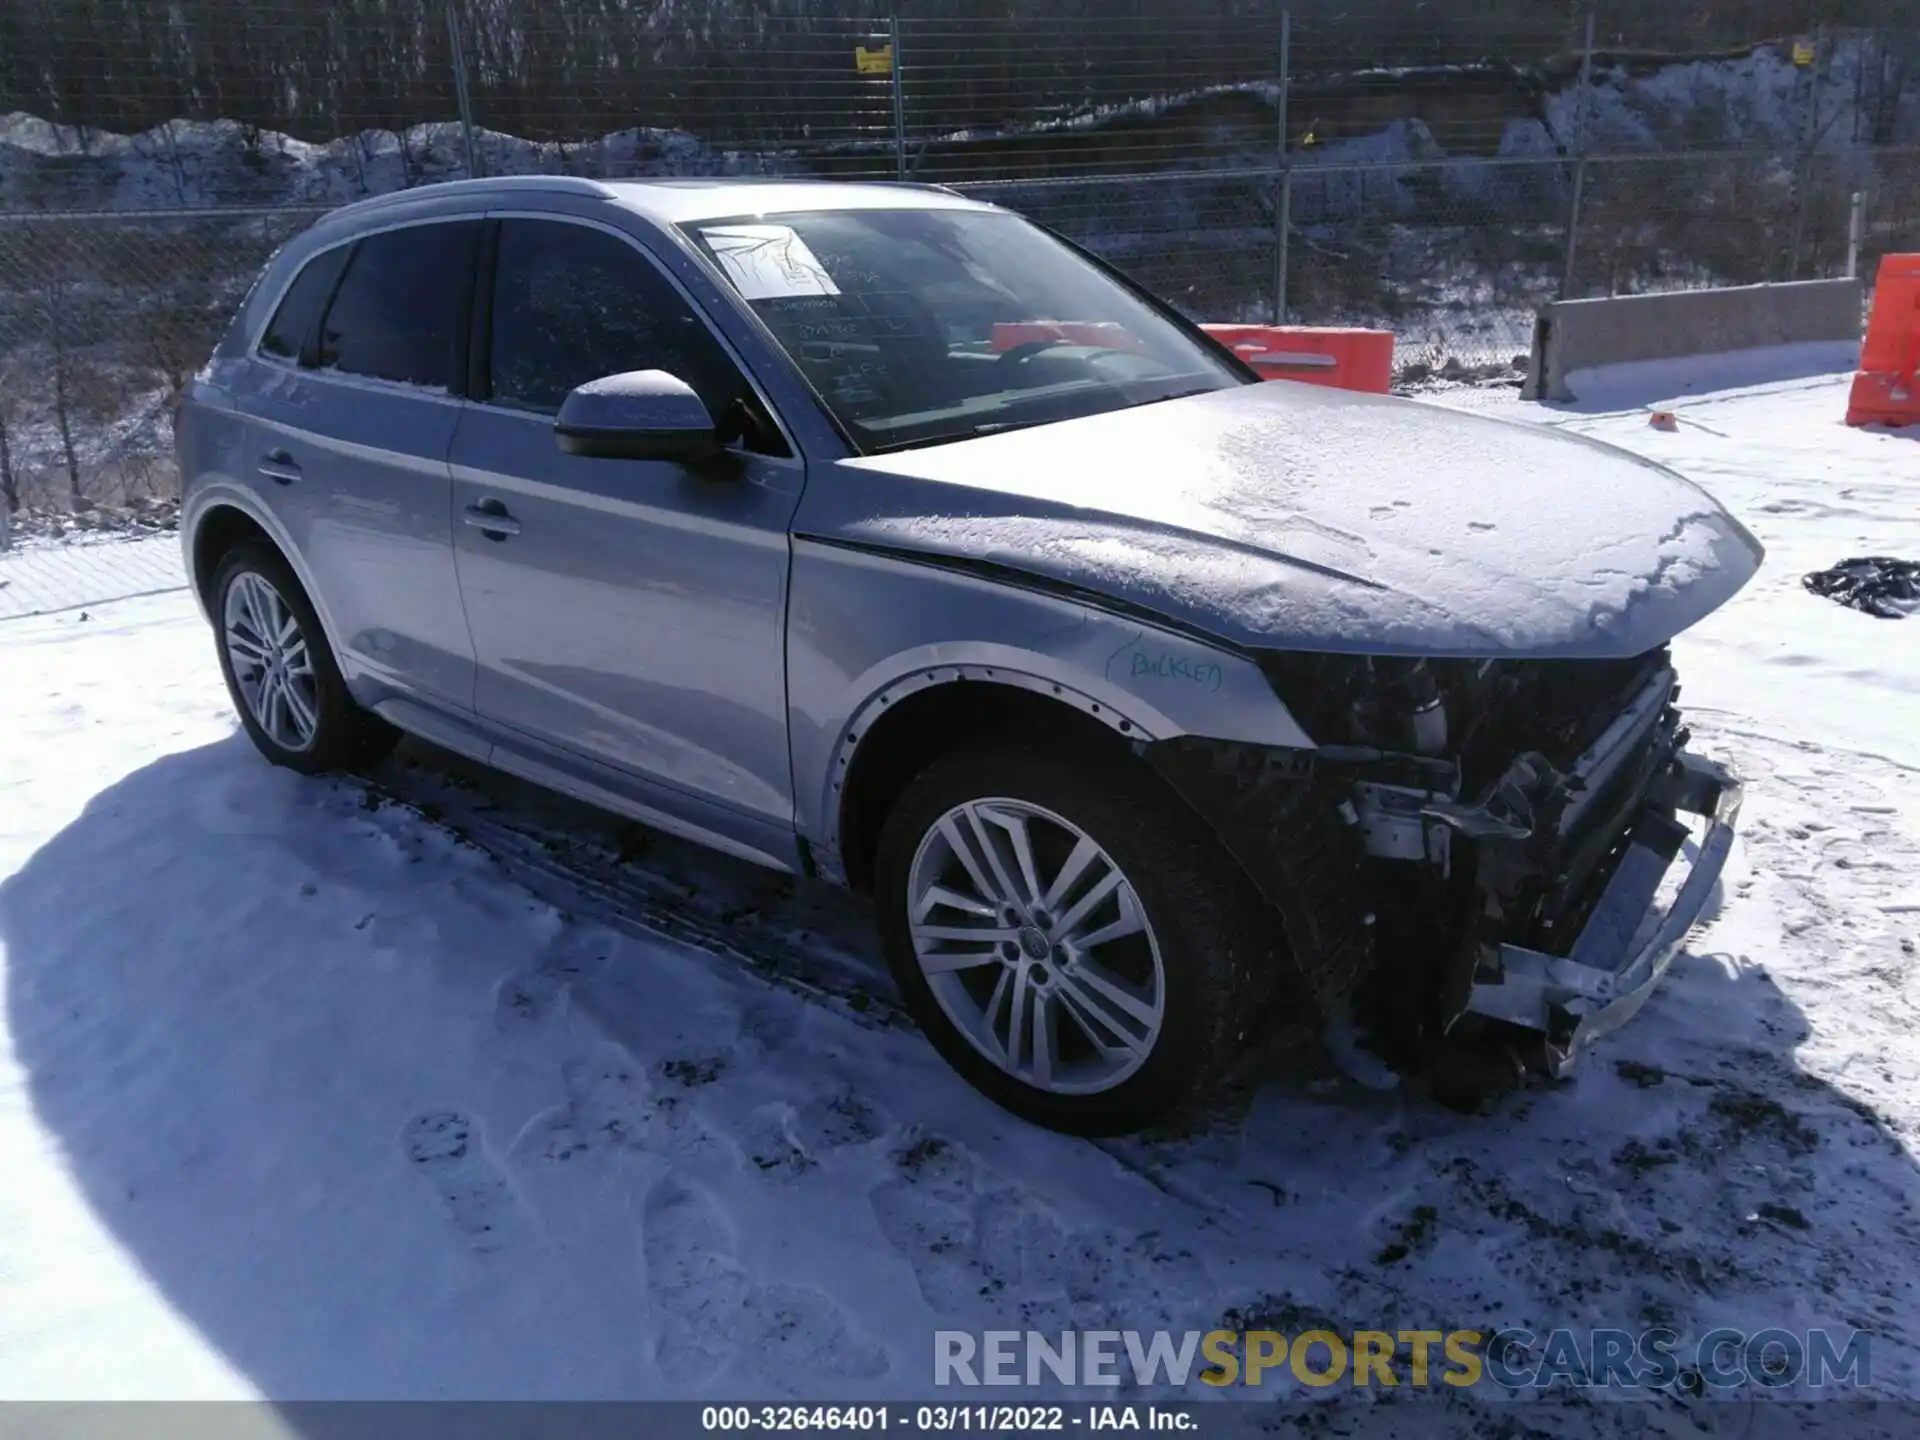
(931, 712)
(219, 530)
(224, 519)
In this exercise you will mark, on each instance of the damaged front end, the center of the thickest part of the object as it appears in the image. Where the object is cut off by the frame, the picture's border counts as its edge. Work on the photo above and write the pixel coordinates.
(1479, 855)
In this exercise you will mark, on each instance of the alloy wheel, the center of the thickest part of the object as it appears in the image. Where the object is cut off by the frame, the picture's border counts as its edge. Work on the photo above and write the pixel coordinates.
(272, 664)
(1036, 946)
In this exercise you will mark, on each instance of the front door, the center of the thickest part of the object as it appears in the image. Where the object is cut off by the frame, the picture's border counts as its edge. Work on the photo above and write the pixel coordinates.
(628, 612)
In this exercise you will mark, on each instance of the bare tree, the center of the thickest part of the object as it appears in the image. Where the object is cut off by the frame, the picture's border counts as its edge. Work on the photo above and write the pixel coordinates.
(1885, 77)
(567, 69)
(174, 341)
(9, 481)
(64, 395)
(57, 314)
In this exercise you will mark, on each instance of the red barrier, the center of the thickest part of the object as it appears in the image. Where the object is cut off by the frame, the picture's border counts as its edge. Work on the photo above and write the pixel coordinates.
(1885, 390)
(1105, 333)
(1344, 359)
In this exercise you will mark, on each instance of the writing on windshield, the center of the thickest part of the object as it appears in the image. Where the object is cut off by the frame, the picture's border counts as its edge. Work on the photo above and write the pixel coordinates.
(922, 326)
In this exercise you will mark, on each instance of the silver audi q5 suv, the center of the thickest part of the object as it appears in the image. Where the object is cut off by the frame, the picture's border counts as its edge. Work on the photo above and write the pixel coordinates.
(880, 536)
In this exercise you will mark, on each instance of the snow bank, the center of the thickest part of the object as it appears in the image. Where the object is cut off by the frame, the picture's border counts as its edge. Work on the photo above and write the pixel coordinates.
(198, 163)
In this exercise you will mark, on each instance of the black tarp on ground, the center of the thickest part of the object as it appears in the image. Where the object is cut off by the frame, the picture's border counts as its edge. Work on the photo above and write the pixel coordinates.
(1878, 585)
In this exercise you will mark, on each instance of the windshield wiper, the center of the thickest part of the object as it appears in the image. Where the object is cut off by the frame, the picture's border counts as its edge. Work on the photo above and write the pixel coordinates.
(1001, 427)
(948, 437)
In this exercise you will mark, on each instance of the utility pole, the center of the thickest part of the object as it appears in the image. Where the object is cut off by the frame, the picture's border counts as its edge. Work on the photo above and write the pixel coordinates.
(476, 166)
(1283, 192)
(1580, 123)
(899, 99)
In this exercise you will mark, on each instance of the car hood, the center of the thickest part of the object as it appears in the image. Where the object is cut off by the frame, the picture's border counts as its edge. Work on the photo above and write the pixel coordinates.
(1291, 516)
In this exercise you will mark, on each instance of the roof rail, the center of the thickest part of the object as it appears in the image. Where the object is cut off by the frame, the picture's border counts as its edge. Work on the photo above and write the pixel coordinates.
(932, 185)
(492, 185)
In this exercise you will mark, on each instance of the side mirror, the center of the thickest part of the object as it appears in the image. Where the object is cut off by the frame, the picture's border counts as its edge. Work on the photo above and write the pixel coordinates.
(640, 415)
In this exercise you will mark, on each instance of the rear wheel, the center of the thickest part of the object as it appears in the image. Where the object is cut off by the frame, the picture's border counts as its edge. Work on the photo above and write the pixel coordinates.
(286, 686)
(1071, 939)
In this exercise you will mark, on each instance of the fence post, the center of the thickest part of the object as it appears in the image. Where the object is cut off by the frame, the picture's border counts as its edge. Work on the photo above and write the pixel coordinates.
(1283, 194)
(899, 99)
(1581, 113)
(476, 167)
(1856, 232)
(1804, 172)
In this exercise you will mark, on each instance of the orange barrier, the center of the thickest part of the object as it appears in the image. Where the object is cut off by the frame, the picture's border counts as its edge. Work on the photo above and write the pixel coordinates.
(1885, 390)
(1344, 359)
(1105, 333)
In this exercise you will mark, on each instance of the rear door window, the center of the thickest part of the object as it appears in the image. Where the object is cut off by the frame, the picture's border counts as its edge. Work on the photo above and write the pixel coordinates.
(573, 304)
(397, 312)
(292, 325)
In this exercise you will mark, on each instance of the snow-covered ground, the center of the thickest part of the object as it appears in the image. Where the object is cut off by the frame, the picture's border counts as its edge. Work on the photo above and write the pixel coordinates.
(302, 1095)
(39, 576)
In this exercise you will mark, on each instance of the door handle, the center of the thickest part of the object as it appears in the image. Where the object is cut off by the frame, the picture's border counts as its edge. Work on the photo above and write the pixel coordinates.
(279, 467)
(490, 517)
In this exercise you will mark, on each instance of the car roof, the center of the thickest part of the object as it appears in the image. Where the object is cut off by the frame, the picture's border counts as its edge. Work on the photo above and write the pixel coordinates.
(678, 201)
(675, 202)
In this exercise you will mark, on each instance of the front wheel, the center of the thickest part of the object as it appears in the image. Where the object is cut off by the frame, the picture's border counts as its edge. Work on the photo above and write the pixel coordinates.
(1070, 938)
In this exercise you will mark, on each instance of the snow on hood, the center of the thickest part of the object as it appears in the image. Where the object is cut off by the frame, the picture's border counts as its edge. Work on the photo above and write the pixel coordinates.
(1286, 515)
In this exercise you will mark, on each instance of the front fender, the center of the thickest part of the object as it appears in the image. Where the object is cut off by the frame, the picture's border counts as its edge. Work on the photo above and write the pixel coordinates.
(866, 629)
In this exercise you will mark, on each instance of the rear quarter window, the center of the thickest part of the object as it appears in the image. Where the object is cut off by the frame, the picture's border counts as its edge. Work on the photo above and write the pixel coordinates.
(286, 335)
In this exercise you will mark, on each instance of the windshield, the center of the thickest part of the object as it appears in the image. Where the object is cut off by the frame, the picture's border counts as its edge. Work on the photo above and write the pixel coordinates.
(917, 327)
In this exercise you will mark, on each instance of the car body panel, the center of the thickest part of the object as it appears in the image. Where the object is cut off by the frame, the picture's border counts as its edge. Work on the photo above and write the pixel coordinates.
(866, 629)
(637, 617)
(371, 516)
(660, 201)
(635, 624)
(569, 773)
(696, 198)
(1292, 517)
(218, 448)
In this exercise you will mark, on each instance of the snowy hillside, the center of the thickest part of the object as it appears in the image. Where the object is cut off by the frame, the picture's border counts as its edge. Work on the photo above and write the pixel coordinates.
(1758, 101)
(190, 163)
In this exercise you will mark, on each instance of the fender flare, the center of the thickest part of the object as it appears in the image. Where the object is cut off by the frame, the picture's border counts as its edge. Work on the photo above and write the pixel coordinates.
(1131, 724)
(227, 496)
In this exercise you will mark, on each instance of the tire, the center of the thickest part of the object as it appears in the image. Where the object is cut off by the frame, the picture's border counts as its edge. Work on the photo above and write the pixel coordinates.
(1207, 949)
(315, 727)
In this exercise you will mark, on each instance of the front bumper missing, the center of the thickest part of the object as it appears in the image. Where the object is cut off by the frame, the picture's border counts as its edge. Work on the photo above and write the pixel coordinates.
(1628, 942)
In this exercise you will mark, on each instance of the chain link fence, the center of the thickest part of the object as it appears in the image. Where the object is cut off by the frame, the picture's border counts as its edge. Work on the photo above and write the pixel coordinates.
(104, 316)
(1438, 169)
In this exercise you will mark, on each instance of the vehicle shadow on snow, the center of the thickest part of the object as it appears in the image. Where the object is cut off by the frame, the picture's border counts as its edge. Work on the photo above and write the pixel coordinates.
(229, 990)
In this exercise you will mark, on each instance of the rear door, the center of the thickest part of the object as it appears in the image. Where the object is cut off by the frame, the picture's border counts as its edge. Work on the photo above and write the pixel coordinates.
(350, 399)
(628, 612)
